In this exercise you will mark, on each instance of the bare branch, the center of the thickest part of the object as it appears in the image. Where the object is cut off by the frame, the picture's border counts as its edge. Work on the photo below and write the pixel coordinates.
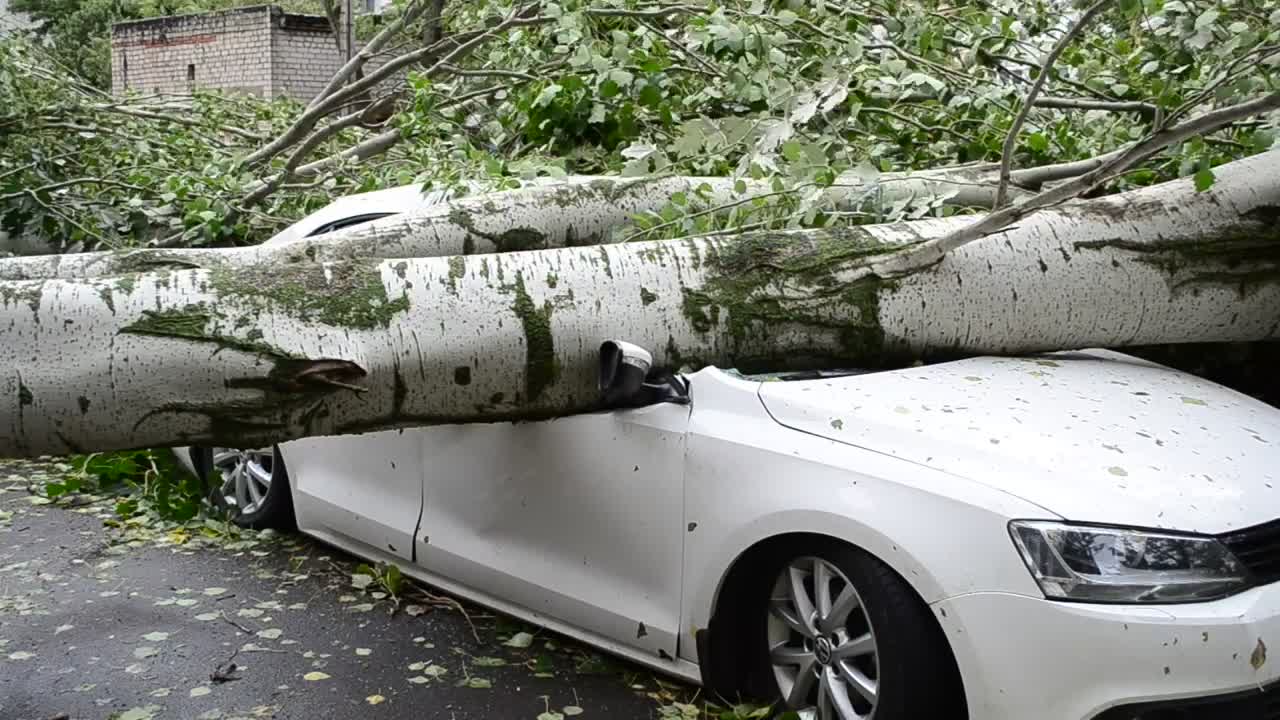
(366, 53)
(461, 49)
(72, 182)
(1011, 139)
(1072, 103)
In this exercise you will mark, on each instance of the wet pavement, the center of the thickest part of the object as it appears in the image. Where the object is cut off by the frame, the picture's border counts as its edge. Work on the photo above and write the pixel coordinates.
(100, 623)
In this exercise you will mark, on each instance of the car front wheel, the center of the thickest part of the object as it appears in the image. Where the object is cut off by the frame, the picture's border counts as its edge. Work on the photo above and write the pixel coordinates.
(847, 639)
(252, 485)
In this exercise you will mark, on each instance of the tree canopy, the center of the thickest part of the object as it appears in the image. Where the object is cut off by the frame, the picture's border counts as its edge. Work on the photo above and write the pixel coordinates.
(794, 93)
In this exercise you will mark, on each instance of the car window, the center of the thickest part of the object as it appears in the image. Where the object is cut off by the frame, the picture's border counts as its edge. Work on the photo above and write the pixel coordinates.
(348, 222)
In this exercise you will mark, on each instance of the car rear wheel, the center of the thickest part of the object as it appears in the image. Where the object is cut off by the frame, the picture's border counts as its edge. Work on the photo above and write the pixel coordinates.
(847, 639)
(252, 485)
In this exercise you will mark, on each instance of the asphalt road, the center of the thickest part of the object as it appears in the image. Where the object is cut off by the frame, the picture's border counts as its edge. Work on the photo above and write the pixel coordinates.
(93, 627)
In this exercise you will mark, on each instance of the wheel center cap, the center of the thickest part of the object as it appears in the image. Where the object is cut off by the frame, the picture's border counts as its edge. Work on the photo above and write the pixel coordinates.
(822, 650)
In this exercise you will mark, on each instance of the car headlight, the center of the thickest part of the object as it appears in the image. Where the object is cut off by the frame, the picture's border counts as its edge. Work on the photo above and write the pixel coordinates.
(1122, 565)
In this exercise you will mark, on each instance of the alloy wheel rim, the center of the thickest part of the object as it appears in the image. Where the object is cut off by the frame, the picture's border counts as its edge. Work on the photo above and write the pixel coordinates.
(246, 477)
(822, 647)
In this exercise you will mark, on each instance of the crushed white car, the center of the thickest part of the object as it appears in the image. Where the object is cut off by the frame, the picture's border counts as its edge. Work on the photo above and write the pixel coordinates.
(1082, 536)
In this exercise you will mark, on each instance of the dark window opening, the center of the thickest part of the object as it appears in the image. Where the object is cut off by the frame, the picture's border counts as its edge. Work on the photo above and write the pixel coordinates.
(347, 222)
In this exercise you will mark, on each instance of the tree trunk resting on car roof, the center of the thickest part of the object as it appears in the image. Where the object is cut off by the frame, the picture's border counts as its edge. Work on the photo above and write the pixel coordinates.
(248, 356)
(580, 211)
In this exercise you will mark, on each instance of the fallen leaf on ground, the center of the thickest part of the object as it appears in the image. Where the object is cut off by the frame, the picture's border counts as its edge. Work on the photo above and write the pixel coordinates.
(270, 633)
(364, 652)
(156, 636)
(145, 652)
(199, 691)
(211, 591)
(21, 655)
(315, 675)
(519, 640)
(572, 710)
(375, 699)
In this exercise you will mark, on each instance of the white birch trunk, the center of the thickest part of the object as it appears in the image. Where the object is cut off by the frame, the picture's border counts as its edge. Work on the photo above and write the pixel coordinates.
(580, 211)
(249, 356)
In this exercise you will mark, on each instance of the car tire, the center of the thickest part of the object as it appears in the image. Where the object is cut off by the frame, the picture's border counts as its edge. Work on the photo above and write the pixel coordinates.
(251, 486)
(877, 652)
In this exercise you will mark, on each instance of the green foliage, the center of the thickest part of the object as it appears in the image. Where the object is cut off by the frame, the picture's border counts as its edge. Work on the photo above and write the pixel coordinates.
(141, 482)
(79, 170)
(800, 94)
(386, 577)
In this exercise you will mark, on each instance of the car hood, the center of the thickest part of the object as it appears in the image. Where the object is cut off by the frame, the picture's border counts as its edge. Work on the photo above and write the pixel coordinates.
(1090, 436)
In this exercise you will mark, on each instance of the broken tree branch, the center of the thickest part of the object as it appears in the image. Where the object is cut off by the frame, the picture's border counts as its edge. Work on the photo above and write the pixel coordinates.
(1011, 139)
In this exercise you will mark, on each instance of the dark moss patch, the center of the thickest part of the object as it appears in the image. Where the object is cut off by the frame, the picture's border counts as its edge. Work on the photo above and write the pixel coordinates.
(348, 295)
(24, 395)
(457, 271)
(604, 256)
(510, 240)
(541, 368)
(83, 402)
(25, 291)
(462, 375)
(198, 322)
(647, 297)
(744, 274)
(1246, 259)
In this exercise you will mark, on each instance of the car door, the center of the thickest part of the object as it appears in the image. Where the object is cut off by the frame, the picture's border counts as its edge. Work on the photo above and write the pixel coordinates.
(578, 519)
(358, 490)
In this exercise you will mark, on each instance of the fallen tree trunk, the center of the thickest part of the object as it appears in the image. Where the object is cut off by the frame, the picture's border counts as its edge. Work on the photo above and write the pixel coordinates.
(248, 356)
(580, 211)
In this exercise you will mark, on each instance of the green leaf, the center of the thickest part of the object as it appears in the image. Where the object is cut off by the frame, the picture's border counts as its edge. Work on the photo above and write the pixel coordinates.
(1204, 180)
(547, 95)
(393, 580)
(1207, 18)
(1038, 142)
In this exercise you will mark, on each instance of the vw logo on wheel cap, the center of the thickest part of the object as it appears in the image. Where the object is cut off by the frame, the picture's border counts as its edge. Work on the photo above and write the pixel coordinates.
(822, 650)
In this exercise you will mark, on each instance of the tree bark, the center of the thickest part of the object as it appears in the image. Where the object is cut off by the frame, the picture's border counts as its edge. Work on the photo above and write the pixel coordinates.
(248, 356)
(581, 211)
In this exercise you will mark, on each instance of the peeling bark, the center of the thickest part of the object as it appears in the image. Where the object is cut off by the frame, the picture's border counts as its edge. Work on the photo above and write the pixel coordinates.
(232, 357)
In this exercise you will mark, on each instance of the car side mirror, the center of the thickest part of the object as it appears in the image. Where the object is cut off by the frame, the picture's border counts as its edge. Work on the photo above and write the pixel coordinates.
(628, 378)
(623, 368)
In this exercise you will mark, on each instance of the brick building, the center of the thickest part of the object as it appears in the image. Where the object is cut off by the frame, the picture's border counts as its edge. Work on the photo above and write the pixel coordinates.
(259, 49)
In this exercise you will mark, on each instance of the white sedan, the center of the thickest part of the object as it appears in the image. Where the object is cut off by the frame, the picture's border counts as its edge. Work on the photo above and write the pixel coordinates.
(1071, 536)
